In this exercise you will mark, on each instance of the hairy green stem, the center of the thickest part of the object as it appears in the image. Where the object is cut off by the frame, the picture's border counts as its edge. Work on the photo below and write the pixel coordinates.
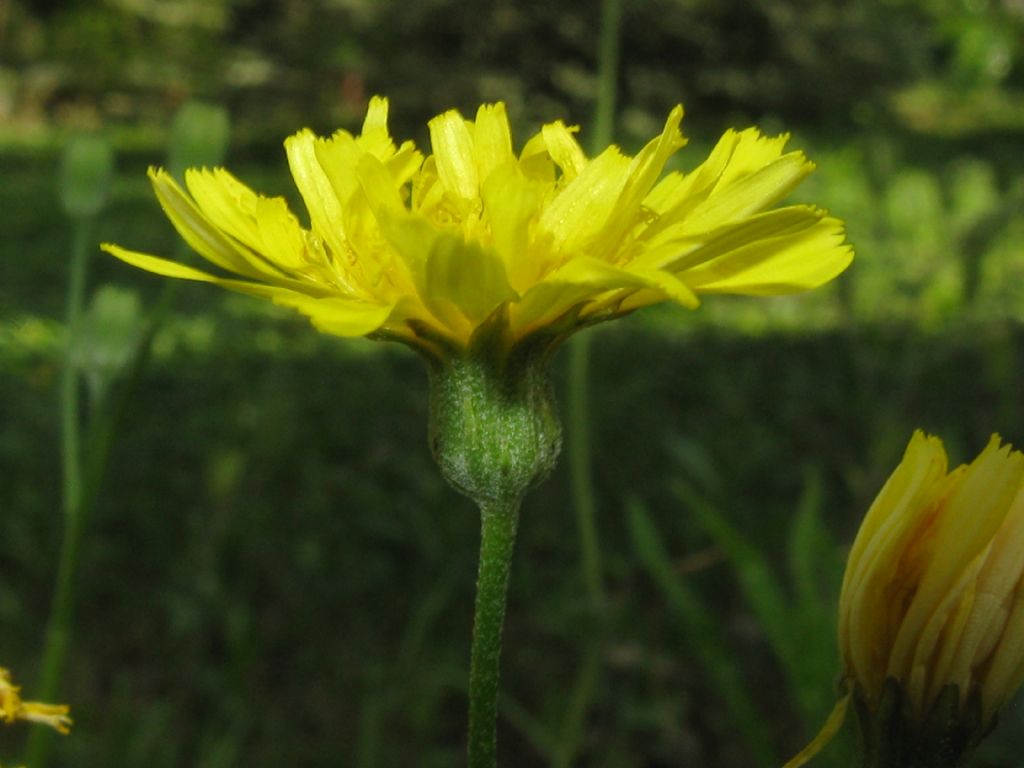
(499, 521)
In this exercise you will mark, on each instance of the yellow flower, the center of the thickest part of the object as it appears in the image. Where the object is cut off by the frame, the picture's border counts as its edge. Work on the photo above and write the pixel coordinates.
(12, 708)
(931, 595)
(426, 249)
(931, 613)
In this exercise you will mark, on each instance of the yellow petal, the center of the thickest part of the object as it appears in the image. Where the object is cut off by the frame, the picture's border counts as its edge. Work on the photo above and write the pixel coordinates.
(202, 235)
(337, 316)
(261, 223)
(404, 163)
(226, 201)
(277, 230)
(338, 158)
(605, 276)
(694, 187)
(53, 715)
(1005, 672)
(665, 193)
(744, 173)
(929, 665)
(325, 210)
(865, 631)
(804, 257)
(453, 152)
(581, 209)
(993, 600)
(974, 511)
(374, 137)
(168, 268)
(467, 276)
(641, 175)
(648, 164)
(751, 193)
(563, 148)
(492, 139)
(412, 238)
(510, 202)
(585, 279)
(752, 152)
(13, 708)
(535, 162)
(378, 185)
(545, 303)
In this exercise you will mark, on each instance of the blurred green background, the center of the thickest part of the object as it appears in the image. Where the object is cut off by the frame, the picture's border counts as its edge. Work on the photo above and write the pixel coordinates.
(275, 574)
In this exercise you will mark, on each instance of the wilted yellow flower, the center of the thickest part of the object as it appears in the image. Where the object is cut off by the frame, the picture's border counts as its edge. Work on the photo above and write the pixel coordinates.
(426, 249)
(12, 708)
(931, 613)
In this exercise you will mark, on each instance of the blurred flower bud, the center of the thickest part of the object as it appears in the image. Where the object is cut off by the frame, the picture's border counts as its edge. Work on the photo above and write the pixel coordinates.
(107, 337)
(199, 137)
(87, 168)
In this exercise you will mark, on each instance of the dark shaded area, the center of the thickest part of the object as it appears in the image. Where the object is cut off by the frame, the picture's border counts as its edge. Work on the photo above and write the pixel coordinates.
(287, 540)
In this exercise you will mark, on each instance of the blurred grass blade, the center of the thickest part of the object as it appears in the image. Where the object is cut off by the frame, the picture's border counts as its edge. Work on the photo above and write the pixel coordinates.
(760, 586)
(800, 628)
(705, 643)
(815, 568)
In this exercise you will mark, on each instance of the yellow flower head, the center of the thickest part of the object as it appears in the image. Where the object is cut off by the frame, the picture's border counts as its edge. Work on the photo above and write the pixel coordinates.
(932, 594)
(931, 613)
(427, 249)
(12, 708)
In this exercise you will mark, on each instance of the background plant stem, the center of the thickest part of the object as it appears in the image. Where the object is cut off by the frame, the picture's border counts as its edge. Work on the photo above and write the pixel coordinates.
(58, 630)
(499, 522)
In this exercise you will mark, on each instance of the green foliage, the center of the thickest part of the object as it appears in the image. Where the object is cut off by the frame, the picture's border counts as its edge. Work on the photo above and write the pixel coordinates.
(314, 62)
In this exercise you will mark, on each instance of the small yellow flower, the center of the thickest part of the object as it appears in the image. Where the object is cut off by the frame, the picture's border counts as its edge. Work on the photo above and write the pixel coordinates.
(931, 613)
(426, 250)
(12, 708)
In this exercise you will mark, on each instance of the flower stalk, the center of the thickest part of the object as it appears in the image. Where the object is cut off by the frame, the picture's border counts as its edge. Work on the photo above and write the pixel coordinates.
(498, 524)
(87, 168)
(495, 433)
